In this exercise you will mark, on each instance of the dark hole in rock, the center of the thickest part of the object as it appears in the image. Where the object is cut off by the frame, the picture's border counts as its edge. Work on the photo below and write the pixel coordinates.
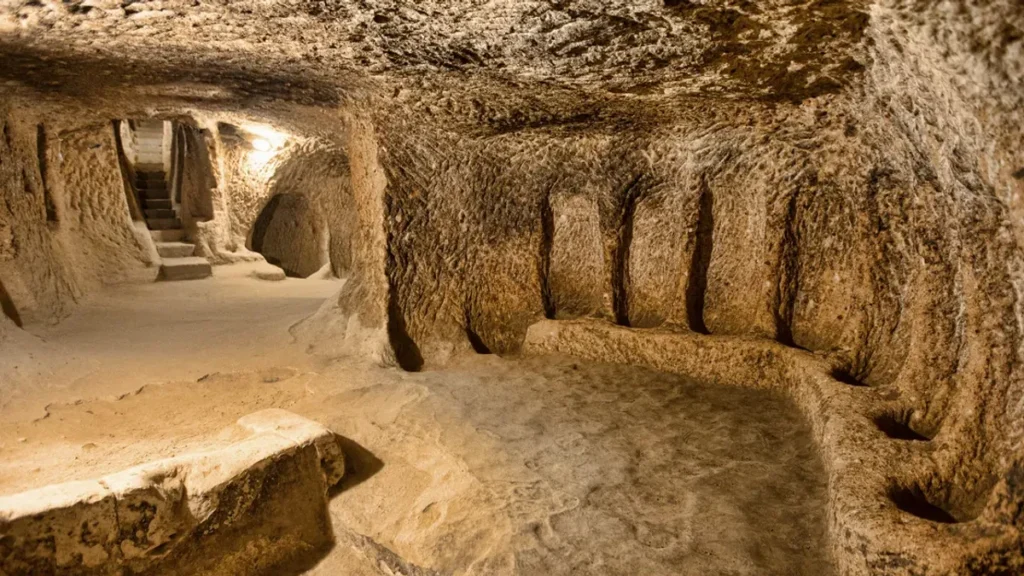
(407, 353)
(544, 262)
(474, 340)
(621, 259)
(229, 132)
(285, 235)
(678, 3)
(913, 501)
(8, 307)
(259, 229)
(897, 427)
(41, 144)
(700, 264)
(843, 375)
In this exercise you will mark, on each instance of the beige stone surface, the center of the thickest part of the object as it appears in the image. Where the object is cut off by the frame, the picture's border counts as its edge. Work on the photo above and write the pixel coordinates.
(886, 484)
(293, 236)
(773, 194)
(243, 507)
(504, 466)
(53, 257)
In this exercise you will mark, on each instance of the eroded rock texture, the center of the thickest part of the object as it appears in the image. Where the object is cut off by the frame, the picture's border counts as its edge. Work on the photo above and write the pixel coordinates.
(247, 507)
(66, 226)
(840, 177)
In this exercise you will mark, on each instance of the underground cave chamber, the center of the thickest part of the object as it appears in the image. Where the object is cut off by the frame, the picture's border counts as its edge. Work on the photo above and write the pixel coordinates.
(536, 288)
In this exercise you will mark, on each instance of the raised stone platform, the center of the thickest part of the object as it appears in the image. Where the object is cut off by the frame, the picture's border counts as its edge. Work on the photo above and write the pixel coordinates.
(248, 508)
(175, 249)
(190, 268)
(889, 512)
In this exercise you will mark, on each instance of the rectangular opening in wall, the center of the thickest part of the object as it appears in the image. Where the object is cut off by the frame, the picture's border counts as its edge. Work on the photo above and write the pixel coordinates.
(51, 208)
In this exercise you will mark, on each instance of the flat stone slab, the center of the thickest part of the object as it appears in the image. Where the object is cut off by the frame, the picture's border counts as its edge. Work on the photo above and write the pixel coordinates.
(256, 503)
(160, 213)
(191, 268)
(163, 223)
(155, 193)
(175, 249)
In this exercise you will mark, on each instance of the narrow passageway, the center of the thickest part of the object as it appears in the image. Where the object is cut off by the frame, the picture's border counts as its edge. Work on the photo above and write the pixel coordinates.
(288, 234)
(129, 336)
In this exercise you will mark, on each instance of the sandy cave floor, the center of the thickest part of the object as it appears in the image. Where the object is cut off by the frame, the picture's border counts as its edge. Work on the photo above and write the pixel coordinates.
(529, 466)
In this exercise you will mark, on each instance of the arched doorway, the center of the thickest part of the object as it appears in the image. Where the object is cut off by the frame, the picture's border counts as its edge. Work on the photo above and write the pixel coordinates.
(290, 234)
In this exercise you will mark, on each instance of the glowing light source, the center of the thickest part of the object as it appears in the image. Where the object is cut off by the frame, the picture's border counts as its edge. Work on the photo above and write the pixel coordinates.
(270, 137)
(266, 143)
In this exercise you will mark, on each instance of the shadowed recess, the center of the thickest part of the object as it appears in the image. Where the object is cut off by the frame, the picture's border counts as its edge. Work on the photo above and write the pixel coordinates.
(697, 280)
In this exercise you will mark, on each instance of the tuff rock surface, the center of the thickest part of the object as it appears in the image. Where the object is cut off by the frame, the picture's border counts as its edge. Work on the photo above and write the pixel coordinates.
(815, 192)
(247, 506)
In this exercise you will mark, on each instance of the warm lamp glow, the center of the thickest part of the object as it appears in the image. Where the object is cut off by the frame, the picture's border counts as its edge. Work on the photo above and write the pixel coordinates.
(270, 137)
(266, 143)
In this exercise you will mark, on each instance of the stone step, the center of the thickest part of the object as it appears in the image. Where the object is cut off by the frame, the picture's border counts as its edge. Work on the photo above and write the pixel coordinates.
(175, 249)
(167, 235)
(155, 204)
(163, 223)
(159, 194)
(160, 213)
(191, 268)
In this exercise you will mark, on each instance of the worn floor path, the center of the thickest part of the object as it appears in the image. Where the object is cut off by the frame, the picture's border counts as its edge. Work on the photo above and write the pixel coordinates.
(492, 466)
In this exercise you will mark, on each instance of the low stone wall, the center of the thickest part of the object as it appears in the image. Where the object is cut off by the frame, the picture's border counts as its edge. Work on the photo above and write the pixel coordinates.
(886, 508)
(247, 508)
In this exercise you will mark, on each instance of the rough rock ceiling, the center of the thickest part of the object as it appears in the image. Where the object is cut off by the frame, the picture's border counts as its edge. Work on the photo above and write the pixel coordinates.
(317, 51)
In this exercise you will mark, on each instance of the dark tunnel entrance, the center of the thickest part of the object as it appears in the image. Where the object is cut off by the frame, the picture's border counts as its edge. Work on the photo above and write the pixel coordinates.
(288, 234)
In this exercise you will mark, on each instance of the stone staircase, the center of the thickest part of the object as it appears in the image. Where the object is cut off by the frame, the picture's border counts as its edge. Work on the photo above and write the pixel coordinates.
(178, 260)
